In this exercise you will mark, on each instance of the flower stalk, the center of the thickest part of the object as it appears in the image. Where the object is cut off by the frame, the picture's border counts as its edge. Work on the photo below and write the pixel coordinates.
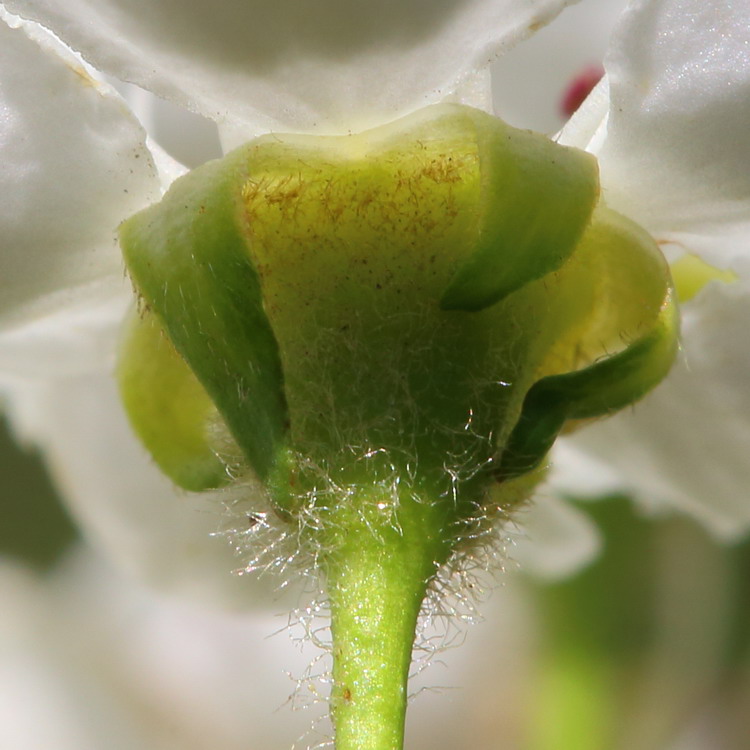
(376, 581)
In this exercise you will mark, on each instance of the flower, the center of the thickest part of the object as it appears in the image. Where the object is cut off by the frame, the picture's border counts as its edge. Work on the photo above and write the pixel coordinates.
(69, 416)
(72, 332)
(672, 149)
(62, 315)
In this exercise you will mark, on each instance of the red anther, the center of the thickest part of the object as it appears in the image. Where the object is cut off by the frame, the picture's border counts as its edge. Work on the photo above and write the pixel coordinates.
(579, 88)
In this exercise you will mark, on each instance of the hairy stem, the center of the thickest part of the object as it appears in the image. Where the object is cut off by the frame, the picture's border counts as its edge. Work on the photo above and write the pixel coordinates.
(377, 580)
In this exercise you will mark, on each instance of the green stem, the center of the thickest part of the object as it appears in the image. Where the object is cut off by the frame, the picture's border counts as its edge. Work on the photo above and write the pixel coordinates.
(377, 580)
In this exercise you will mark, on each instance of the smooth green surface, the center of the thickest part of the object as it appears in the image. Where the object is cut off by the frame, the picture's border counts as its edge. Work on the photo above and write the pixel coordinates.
(536, 202)
(167, 406)
(619, 272)
(187, 258)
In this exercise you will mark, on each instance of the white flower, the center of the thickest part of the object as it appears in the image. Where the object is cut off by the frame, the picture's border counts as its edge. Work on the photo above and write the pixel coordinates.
(673, 148)
(673, 158)
(63, 287)
(76, 163)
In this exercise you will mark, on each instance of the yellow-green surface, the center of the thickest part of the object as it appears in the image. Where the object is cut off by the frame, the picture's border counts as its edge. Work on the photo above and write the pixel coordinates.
(388, 324)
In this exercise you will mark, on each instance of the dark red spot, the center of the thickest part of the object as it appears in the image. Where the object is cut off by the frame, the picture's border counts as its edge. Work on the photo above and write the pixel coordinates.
(579, 88)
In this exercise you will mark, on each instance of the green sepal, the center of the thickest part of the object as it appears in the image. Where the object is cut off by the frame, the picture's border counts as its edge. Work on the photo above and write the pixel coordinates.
(248, 261)
(634, 297)
(167, 407)
(188, 259)
(535, 203)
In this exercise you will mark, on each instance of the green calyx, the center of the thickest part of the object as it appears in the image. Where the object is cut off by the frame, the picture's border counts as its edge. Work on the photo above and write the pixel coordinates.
(386, 290)
(391, 329)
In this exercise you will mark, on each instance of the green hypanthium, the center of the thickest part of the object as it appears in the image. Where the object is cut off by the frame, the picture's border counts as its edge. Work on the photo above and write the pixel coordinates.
(385, 332)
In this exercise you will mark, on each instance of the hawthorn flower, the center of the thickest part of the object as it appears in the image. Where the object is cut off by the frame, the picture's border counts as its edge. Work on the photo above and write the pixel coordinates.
(62, 312)
(174, 74)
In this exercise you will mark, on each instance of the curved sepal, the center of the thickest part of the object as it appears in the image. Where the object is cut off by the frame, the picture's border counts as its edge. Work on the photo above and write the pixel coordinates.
(535, 203)
(634, 302)
(167, 407)
(187, 257)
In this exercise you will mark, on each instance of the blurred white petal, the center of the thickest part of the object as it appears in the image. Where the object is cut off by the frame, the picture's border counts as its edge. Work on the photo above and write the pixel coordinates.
(124, 505)
(674, 158)
(555, 539)
(587, 128)
(90, 660)
(74, 164)
(686, 444)
(678, 144)
(190, 139)
(327, 66)
(577, 473)
(81, 336)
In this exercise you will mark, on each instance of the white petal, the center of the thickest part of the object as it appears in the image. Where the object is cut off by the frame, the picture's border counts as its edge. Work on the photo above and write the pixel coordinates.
(579, 474)
(678, 145)
(188, 138)
(587, 128)
(327, 66)
(557, 540)
(675, 160)
(529, 82)
(686, 444)
(32, 682)
(74, 164)
(80, 337)
(127, 509)
(107, 664)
